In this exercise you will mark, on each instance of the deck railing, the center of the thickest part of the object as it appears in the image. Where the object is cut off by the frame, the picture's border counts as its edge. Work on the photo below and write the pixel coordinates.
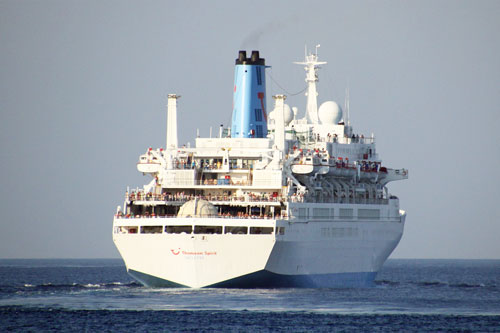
(219, 216)
(182, 198)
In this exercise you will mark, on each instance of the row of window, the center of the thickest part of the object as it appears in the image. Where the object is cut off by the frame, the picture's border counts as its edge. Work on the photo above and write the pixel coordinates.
(339, 232)
(344, 213)
(258, 114)
(198, 229)
(259, 75)
(260, 131)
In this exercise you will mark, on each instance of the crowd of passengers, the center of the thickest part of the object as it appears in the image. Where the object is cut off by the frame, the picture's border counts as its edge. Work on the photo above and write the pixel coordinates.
(251, 197)
(334, 138)
(367, 166)
(183, 163)
(238, 215)
(181, 196)
(225, 182)
(355, 138)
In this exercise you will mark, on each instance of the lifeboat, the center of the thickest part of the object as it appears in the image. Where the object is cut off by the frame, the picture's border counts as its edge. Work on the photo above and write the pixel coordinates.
(341, 168)
(309, 163)
(148, 164)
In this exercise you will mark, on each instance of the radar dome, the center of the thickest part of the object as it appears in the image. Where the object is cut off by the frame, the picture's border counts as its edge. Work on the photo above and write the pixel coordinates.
(271, 115)
(287, 114)
(329, 113)
(197, 208)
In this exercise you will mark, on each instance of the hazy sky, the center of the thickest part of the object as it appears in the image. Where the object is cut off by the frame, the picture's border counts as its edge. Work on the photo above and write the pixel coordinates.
(83, 89)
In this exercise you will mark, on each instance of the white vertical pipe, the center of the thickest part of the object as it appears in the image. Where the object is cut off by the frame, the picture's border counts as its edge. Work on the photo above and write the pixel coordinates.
(172, 142)
(279, 121)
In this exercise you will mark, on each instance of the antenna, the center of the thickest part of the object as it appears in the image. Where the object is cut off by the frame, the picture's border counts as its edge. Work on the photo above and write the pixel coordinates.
(317, 47)
(311, 67)
(346, 107)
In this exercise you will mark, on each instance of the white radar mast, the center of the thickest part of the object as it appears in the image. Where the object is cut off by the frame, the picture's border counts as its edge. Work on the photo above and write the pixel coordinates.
(312, 65)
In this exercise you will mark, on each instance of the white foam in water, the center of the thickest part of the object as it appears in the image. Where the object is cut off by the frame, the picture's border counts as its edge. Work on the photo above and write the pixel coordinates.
(405, 290)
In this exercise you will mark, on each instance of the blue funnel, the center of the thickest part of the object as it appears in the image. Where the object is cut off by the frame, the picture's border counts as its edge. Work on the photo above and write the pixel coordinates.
(249, 98)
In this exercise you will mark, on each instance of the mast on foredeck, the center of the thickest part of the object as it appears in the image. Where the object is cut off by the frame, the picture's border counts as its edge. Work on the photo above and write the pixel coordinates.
(346, 108)
(312, 65)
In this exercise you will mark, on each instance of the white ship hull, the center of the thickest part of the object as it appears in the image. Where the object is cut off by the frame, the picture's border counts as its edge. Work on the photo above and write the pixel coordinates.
(309, 254)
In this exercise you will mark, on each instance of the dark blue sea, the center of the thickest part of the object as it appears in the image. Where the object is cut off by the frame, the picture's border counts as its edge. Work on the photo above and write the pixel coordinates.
(98, 295)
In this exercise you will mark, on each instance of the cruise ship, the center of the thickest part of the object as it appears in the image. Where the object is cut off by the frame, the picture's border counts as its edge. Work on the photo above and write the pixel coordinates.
(272, 200)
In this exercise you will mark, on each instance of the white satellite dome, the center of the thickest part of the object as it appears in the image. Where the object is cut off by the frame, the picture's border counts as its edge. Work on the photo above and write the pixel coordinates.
(287, 114)
(271, 115)
(197, 208)
(329, 113)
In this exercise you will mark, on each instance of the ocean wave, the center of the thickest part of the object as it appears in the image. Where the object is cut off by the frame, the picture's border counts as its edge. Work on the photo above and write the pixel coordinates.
(462, 285)
(386, 283)
(54, 319)
(431, 284)
(452, 285)
(66, 287)
(467, 285)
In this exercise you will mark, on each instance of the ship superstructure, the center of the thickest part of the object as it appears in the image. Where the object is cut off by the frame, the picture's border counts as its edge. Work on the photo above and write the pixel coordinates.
(272, 201)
